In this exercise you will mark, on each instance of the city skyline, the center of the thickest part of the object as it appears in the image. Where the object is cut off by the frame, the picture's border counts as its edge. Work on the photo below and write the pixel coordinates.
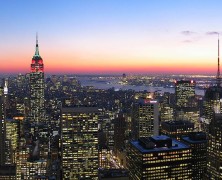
(111, 37)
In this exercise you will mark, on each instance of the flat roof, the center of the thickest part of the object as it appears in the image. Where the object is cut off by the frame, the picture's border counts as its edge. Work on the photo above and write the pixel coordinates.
(176, 145)
(178, 122)
(187, 139)
(161, 137)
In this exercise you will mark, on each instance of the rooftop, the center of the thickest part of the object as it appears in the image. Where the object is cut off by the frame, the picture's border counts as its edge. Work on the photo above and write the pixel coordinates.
(160, 138)
(160, 143)
(179, 122)
(195, 138)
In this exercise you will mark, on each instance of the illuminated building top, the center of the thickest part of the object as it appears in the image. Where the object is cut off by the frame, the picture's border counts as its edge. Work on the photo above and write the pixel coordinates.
(37, 62)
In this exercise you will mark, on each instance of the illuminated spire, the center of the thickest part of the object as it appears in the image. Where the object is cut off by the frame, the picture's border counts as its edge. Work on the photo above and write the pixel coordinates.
(218, 64)
(37, 46)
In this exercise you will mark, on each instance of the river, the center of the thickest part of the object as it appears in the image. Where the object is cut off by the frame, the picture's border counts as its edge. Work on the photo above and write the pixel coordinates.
(86, 81)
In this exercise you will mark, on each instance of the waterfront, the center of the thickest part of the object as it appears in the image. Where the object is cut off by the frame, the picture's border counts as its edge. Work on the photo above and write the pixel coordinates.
(114, 83)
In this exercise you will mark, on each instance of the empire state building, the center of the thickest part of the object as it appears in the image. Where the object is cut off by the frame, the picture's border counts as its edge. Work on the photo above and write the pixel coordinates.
(37, 101)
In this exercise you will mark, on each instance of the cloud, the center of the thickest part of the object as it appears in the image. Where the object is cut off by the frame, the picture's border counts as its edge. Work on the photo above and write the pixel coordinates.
(187, 33)
(212, 33)
(187, 41)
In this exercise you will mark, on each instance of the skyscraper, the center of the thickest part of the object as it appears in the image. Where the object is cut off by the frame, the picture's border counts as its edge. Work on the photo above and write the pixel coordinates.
(214, 148)
(119, 132)
(198, 144)
(185, 91)
(37, 105)
(34, 145)
(2, 128)
(12, 135)
(3, 108)
(213, 95)
(145, 118)
(79, 131)
(213, 108)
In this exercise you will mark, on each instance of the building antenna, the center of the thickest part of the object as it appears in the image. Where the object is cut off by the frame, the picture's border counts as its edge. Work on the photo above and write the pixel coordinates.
(36, 38)
(218, 63)
(37, 45)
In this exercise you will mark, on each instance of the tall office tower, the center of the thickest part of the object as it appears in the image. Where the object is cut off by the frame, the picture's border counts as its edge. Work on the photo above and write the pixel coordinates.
(214, 148)
(191, 114)
(2, 128)
(185, 92)
(120, 138)
(166, 113)
(33, 145)
(119, 132)
(124, 78)
(212, 102)
(176, 129)
(145, 118)
(213, 107)
(79, 132)
(37, 104)
(198, 143)
(11, 142)
(3, 107)
(166, 106)
(159, 157)
(213, 95)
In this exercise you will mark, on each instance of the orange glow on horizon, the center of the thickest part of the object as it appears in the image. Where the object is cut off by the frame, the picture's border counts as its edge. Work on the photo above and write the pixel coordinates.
(77, 64)
(102, 68)
(133, 69)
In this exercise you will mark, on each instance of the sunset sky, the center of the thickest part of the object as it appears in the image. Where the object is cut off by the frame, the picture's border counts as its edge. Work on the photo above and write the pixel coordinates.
(111, 36)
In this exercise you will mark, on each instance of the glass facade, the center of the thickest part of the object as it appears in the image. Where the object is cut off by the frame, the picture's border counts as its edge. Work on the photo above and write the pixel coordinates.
(79, 128)
(145, 118)
(185, 91)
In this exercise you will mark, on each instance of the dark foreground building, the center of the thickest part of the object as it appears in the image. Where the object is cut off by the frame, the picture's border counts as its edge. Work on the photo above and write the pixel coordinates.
(198, 144)
(176, 129)
(214, 148)
(159, 157)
